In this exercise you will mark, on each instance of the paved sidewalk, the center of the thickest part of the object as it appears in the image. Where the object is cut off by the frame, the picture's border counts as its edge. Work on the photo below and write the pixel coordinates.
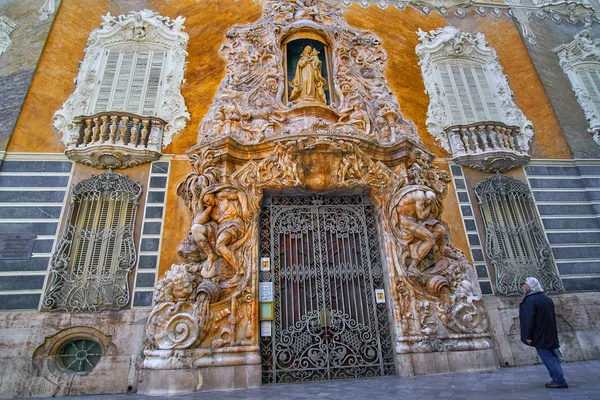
(506, 383)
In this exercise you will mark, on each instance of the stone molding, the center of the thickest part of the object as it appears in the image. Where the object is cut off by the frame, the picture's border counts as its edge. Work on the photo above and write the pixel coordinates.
(583, 50)
(7, 26)
(145, 29)
(449, 42)
(521, 11)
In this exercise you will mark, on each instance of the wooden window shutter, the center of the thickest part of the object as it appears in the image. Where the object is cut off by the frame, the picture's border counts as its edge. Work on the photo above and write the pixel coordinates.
(590, 79)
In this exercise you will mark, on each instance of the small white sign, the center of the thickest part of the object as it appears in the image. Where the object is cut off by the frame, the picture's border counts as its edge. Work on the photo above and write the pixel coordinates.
(265, 264)
(265, 291)
(265, 328)
(379, 296)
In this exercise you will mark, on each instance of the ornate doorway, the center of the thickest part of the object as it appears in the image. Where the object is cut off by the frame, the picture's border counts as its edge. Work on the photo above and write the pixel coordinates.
(325, 270)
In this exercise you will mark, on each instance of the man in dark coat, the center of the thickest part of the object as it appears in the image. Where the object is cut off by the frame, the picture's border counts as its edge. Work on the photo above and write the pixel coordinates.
(538, 329)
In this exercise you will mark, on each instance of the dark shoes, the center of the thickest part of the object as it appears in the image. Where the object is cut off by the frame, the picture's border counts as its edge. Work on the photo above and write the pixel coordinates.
(554, 385)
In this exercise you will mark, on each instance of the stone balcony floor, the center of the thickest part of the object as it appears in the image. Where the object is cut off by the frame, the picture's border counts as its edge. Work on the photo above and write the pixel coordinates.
(506, 383)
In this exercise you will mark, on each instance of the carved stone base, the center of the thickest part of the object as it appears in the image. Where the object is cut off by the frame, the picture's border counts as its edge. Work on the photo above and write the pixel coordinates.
(467, 342)
(170, 372)
(447, 361)
(493, 161)
(112, 156)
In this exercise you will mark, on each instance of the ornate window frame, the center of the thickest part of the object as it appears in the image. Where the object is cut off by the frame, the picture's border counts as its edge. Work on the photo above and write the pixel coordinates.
(7, 26)
(449, 43)
(514, 238)
(90, 267)
(145, 29)
(575, 56)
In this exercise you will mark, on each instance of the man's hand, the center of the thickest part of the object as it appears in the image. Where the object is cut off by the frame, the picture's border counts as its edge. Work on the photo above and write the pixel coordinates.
(529, 341)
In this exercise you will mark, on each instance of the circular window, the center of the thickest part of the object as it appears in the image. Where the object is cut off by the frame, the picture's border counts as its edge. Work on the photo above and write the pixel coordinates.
(80, 355)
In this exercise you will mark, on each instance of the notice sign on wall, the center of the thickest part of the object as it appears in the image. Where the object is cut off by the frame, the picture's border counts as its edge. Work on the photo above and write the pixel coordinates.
(265, 291)
(16, 246)
(265, 328)
(265, 264)
(379, 296)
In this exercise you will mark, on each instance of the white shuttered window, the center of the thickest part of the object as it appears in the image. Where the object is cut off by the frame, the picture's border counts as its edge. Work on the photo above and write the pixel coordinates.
(467, 92)
(130, 82)
(589, 76)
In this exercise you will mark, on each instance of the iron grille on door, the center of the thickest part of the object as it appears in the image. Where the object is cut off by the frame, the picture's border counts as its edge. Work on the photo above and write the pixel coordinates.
(325, 267)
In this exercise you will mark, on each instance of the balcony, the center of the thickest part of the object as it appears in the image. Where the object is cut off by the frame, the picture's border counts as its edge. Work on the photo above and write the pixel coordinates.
(115, 140)
(487, 146)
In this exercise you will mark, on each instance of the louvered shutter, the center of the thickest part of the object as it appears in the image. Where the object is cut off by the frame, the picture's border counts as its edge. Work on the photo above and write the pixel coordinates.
(467, 93)
(452, 101)
(119, 97)
(130, 82)
(138, 81)
(153, 83)
(589, 77)
(106, 84)
(487, 94)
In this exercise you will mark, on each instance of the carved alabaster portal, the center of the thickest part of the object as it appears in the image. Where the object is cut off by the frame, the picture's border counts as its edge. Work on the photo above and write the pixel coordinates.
(250, 142)
(209, 303)
(301, 69)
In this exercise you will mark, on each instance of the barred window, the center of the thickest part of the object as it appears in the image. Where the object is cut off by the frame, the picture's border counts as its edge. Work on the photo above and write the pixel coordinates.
(130, 82)
(91, 264)
(467, 93)
(515, 242)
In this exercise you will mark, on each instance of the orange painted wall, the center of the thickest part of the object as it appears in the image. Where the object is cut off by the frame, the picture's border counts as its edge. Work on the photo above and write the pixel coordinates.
(207, 23)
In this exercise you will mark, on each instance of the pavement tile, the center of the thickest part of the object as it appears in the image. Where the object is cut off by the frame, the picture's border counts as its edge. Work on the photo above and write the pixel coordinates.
(520, 383)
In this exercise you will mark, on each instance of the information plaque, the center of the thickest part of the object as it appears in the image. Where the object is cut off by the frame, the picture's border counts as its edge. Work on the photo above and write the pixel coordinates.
(16, 246)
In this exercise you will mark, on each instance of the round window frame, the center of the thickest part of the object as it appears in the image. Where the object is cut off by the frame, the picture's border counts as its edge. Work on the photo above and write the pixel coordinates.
(83, 346)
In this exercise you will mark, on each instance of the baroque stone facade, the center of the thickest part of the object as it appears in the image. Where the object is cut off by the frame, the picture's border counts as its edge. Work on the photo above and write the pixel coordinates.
(210, 302)
(299, 196)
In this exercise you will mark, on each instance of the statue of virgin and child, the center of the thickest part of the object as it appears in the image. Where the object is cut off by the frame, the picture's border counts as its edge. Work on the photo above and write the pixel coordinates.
(308, 84)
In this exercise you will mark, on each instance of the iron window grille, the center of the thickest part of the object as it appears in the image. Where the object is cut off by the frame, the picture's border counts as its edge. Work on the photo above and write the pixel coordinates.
(515, 242)
(90, 267)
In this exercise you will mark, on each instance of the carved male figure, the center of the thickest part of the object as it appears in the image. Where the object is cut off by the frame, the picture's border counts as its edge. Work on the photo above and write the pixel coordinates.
(415, 215)
(355, 116)
(220, 225)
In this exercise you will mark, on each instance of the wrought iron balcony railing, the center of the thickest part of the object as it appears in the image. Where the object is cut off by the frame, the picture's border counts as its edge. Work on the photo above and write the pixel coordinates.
(487, 146)
(115, 140)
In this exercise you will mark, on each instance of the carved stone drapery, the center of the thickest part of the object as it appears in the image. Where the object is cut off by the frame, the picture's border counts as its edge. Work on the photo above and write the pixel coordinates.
(581, 54)
(450, 43)
(145, 29)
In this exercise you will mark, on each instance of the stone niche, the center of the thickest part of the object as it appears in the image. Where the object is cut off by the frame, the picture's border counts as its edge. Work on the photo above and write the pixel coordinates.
(326, 124)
